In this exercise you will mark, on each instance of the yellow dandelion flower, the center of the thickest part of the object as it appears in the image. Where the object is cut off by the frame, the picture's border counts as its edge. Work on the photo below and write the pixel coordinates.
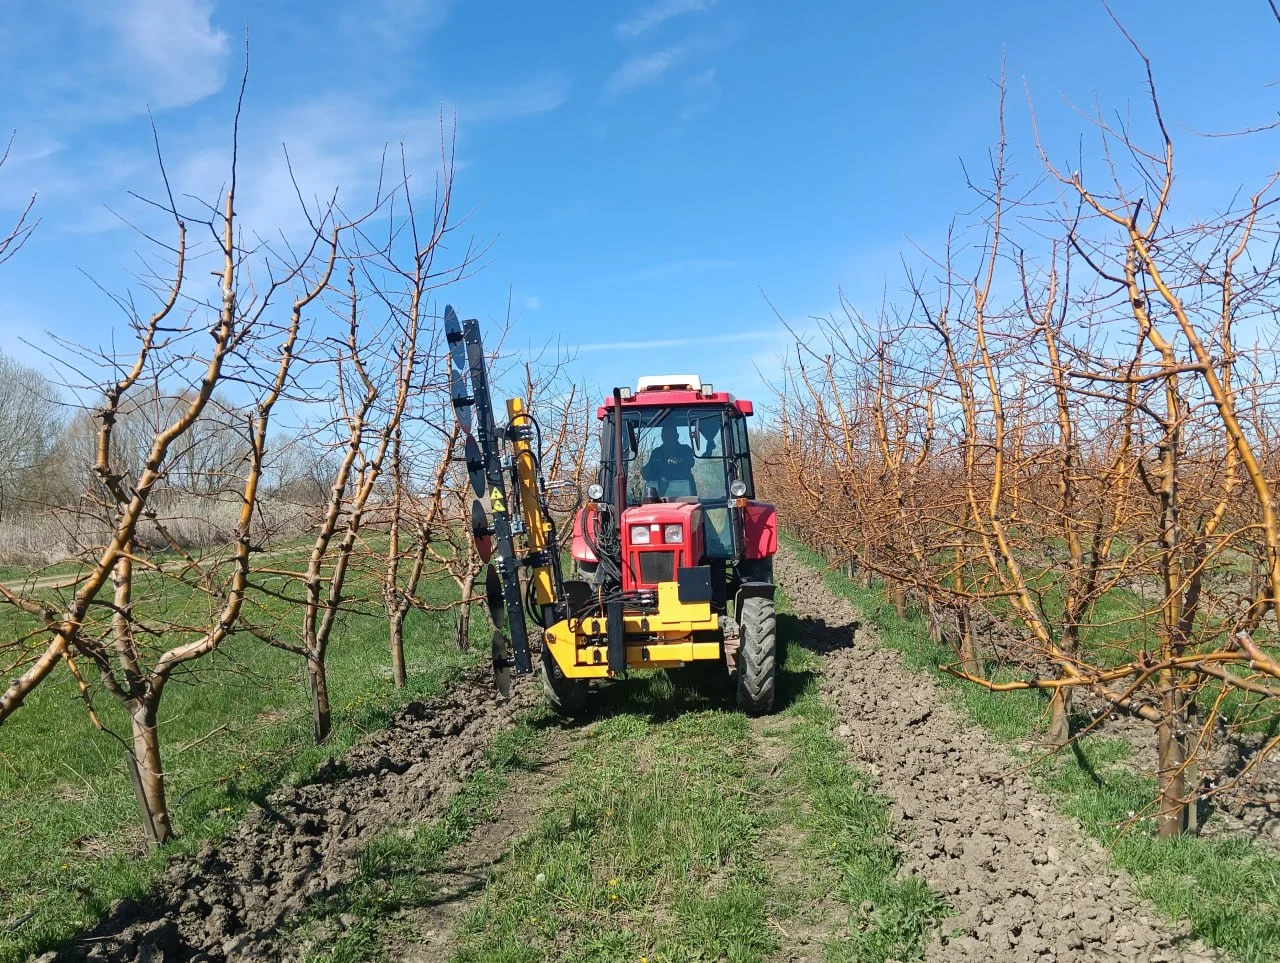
(614, 897)
(613, 882)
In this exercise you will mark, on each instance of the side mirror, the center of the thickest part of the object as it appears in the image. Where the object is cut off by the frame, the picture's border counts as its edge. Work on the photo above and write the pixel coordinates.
(698, 437)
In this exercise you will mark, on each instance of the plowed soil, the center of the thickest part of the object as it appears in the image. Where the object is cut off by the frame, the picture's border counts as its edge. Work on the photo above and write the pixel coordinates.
(230, 901)
(1021, 883)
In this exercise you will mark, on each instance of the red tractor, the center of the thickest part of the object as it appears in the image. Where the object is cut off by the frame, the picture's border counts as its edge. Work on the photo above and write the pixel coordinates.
(674, 555)
(672, 546)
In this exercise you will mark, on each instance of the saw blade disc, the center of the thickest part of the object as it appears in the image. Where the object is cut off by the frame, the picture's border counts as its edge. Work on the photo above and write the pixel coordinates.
(481, 531)
(475, 465)
(459, 385)
(501, 663)
(493, 599)
(462, 401)
(453, 335)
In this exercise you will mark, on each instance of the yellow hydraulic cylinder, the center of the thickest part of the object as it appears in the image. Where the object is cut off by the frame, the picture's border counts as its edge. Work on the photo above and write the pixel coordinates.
(537, 526)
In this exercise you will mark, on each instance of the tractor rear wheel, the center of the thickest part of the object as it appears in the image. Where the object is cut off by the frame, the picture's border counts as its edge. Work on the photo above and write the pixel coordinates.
(568, 697)
(757, 657)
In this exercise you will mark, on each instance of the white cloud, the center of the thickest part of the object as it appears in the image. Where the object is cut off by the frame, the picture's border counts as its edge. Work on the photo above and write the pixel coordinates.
(395, 23)
(642, 71)
(533, 302)
(702, 92)
(653, 344)
(333, 141)
(538, 96)
(656, 14)
(173, 51)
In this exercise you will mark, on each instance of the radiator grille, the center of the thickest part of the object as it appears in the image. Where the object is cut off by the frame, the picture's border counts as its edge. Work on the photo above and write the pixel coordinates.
(657, 567)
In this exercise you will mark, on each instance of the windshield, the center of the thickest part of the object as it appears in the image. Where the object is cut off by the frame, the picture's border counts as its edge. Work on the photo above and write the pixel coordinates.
(680, 453)
(675, 453)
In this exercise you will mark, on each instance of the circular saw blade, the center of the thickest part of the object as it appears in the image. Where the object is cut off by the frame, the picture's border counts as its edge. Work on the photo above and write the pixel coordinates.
(501, 663)
(493, 597)
(481, 531)
(453, 335)
(458, 392)
(459, 385)
(475, 465)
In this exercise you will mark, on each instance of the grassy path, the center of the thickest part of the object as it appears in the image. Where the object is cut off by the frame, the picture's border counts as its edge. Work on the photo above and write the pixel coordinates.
(668, 827)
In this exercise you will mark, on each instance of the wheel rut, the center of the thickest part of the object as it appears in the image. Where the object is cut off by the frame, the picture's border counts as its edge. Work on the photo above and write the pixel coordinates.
(426, 934)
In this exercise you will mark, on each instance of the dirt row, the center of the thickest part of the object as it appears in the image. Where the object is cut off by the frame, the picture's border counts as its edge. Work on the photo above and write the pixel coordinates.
(228, 901)
(1021, 882)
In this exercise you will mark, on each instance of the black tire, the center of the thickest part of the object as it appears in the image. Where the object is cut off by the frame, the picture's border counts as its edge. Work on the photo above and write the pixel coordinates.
(757, 658)
(568, 697)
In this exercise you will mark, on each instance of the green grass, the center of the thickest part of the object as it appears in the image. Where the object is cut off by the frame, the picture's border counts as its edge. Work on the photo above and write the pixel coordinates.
(233, 726)
(648, 846)
(679, 830)
(672, 838)
(1227, 889)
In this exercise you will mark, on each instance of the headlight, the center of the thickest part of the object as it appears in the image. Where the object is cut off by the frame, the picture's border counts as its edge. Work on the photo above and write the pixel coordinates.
(595, 492)
(673, 534)
(639, 534)
(737, 488)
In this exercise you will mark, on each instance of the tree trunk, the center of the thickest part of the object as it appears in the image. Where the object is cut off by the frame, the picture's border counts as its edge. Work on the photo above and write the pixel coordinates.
(1172, 817)
(464, 618)
(147, 771)
(398, 674)
(1191, 771)
(321, 717)
(968, 644)
(899, 600)
(1060, 717)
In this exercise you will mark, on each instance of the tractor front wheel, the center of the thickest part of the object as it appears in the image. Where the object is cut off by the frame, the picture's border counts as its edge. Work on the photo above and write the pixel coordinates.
(757, 656)
(568, 697)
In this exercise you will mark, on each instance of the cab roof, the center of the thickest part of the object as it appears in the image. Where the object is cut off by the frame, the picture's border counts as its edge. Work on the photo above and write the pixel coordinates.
(664, 397)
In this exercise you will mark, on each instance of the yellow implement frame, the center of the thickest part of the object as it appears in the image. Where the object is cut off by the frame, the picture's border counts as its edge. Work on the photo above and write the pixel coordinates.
(538, 527)
(664, 640)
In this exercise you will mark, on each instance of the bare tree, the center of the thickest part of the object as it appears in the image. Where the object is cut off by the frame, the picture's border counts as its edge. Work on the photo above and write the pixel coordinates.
(30, 421)
(378, 377)
(1078, 469)
(111, 618)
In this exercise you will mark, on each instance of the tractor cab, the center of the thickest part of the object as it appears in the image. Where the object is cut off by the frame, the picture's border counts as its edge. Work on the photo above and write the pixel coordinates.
(675, 459)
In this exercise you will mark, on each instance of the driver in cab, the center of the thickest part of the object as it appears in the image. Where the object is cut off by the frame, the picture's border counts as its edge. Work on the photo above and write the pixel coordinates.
(669, 467)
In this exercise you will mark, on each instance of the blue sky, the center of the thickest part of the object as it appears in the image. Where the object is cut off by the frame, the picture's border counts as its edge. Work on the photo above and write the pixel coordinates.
(647, 173)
